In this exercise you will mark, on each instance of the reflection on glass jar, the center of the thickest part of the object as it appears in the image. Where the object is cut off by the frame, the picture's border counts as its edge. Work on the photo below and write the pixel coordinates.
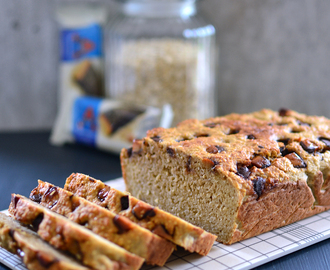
(163, 51)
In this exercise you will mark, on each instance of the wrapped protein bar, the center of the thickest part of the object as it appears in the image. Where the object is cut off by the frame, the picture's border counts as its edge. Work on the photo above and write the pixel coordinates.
(81, 48)
(106, 124)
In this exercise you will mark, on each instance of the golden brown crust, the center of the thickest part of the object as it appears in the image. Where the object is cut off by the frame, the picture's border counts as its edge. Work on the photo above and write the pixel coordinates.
(85, 246)
(320, 188)
(152, 218)
(35, 253)
(262, 155)
(284, 204)
(105, 223)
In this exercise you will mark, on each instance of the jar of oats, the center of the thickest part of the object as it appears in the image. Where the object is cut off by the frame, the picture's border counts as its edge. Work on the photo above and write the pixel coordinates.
(163, 51)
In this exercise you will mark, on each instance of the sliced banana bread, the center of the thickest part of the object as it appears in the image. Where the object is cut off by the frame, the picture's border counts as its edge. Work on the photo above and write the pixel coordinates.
(35, 253)
(60, 232)
(152, 218)
(115, 228)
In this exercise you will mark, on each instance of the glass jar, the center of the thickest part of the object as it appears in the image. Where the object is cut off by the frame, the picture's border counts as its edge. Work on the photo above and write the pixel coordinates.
(162, 51)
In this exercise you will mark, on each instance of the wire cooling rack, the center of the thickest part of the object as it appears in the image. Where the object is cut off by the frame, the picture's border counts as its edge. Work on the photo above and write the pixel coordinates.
(246, 254)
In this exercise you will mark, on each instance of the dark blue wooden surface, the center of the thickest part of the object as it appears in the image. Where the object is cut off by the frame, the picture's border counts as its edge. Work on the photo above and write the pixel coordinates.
(27, 157)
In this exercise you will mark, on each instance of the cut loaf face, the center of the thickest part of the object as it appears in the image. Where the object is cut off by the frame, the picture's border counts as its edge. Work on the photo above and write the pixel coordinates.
(235, 176)
(159, 222)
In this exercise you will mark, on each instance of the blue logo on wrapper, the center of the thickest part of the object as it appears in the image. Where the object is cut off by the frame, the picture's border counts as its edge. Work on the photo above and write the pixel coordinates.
(85, 120)
(81, 43)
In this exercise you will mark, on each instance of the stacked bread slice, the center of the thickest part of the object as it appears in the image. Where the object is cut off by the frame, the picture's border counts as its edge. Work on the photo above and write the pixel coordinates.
(36, 253)
(88, 225)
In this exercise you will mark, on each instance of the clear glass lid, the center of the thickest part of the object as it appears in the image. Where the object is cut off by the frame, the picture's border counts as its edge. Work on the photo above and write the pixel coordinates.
(158, 8)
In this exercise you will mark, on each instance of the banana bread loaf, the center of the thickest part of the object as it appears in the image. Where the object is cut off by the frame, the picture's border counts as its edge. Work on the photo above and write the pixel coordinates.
(60, 232)
(35, 253)
(235, 176)
(164, 224)
(115, 228)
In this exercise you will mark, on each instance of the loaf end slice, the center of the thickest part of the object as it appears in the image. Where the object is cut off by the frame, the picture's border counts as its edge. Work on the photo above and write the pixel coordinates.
(35, 253)
(117, 229)
(164, 224)
(60, 232)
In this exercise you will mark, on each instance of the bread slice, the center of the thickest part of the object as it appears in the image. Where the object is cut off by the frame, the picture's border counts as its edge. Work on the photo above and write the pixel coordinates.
(152, 218)
(236, 176)
(60, 232)
(117, 229)
(35, 253)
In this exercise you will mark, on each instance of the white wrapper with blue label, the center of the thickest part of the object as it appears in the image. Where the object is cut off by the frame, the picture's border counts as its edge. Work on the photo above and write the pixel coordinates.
(104, 123)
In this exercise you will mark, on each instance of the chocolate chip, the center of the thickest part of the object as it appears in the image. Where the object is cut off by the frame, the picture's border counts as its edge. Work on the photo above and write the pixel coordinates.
(51, 206)
(300, 123)
(202, 135)
(260, 162)
(91, 179)
(142, 211)
(36, 197)
(250, 137)
(14, 200)
(233, 131)
(45, 260)
(51, 192)
(243, 171)
(308, 146)
(123, 224)
(215, 164)
(170, 151)
(285, 141)
(36, 222)
(103, 193)
(211, 125)
(296, 160)
(124, 202)
(261, 147)
(188, 164)
(161, 231)
(83, 222)
(326, 141)
(51, 197)
(129, 151)
(283, 112)
(156, 138)
(214, 149)
(258, 185)
(284, 151)
(11, 233)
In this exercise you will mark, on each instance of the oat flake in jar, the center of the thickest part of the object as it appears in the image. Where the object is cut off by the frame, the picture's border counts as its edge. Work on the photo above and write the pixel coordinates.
(163, 51)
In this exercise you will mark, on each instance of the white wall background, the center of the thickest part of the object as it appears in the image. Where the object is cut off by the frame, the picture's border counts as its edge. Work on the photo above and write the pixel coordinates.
(274, 53)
